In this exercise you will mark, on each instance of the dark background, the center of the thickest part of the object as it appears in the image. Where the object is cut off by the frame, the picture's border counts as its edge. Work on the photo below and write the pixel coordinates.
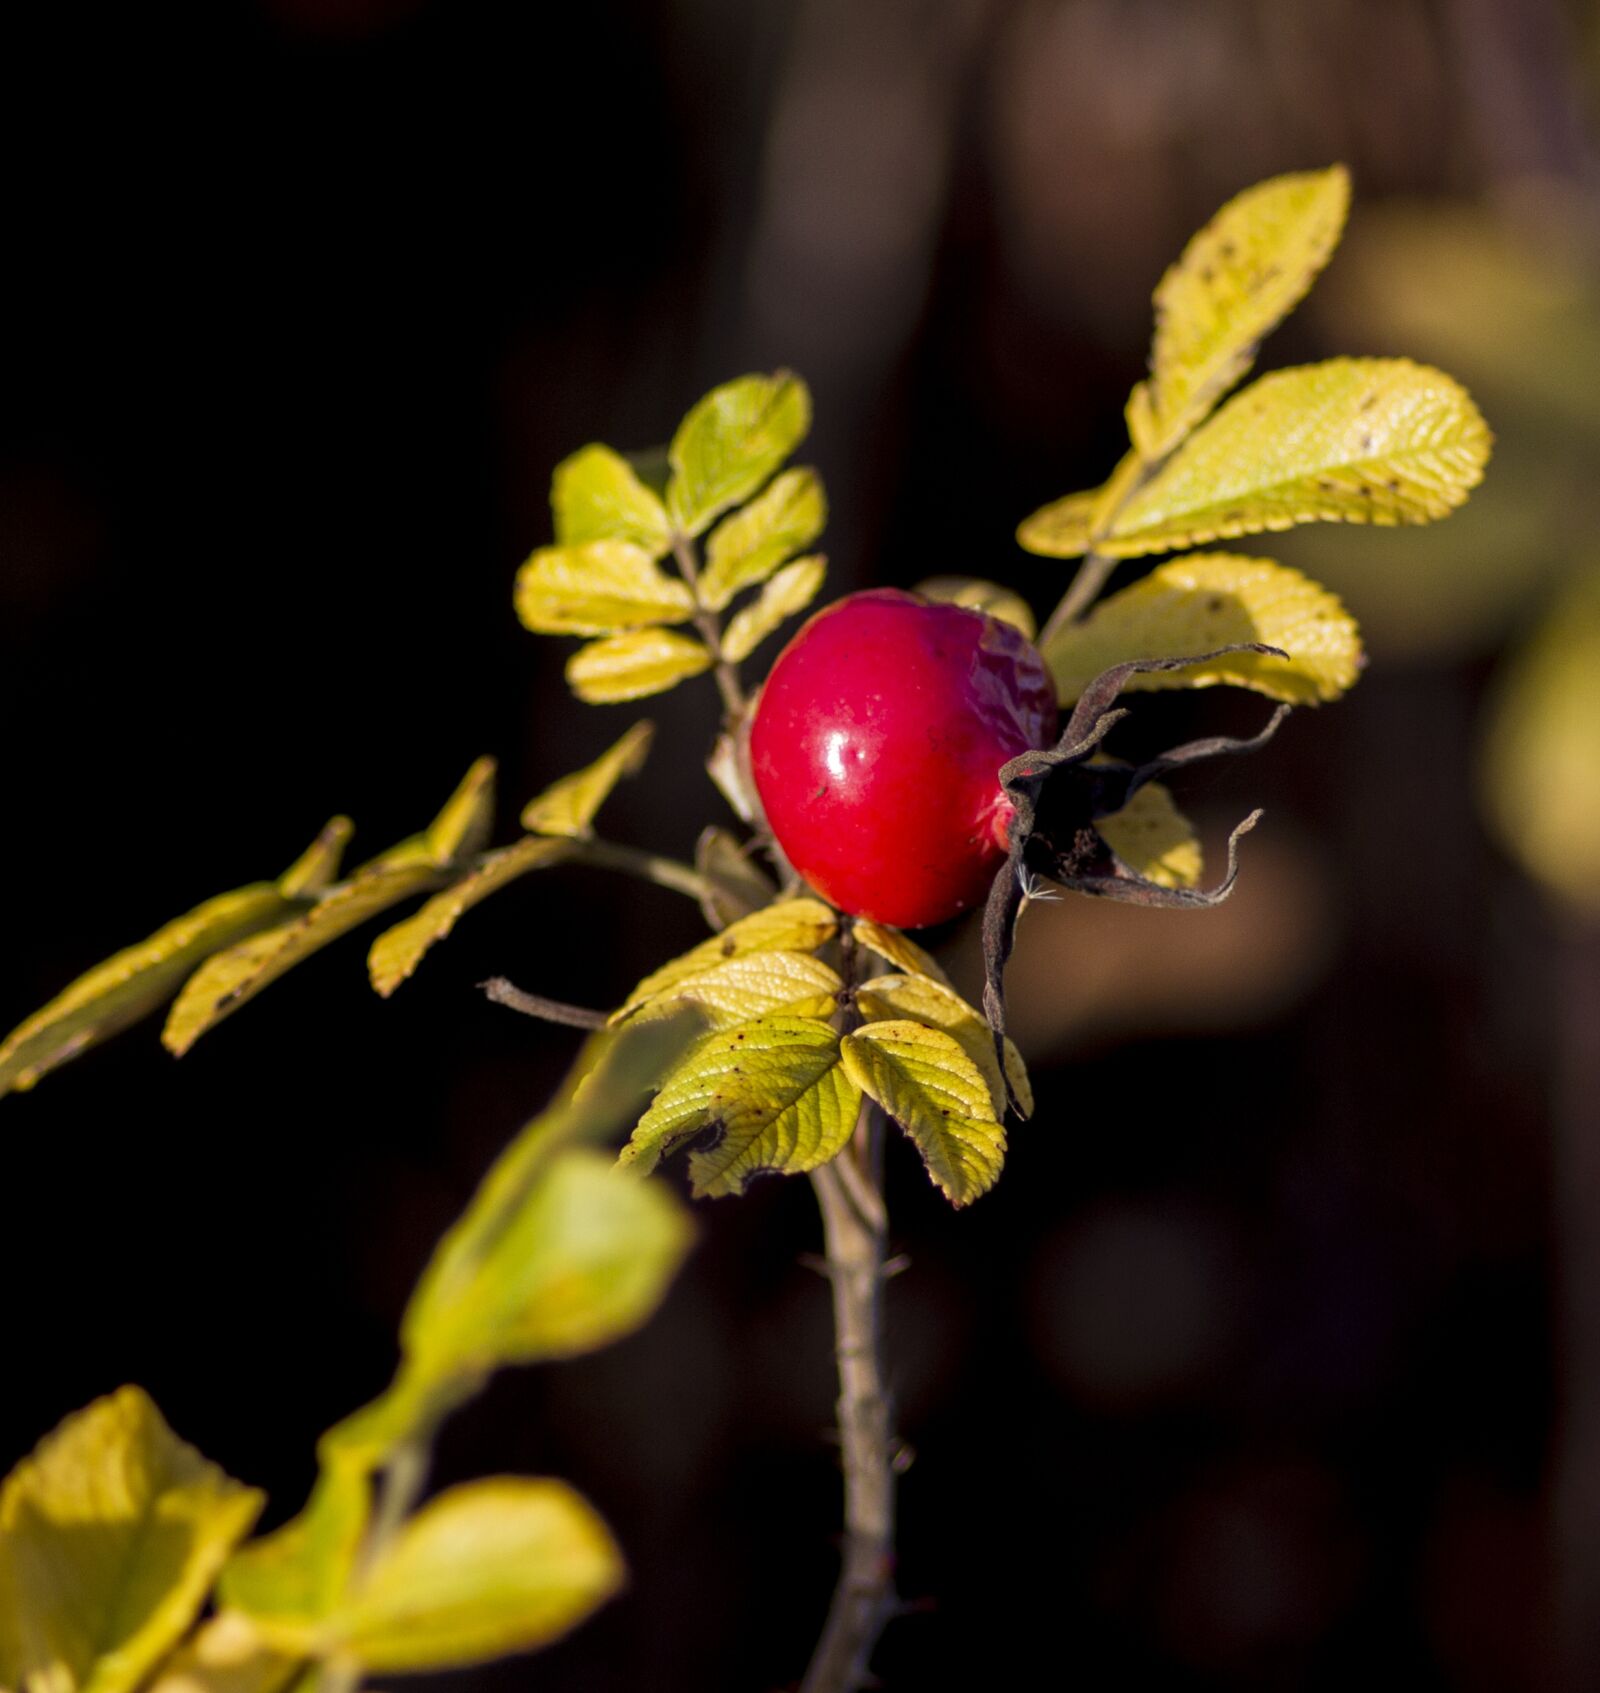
(1265, 1366)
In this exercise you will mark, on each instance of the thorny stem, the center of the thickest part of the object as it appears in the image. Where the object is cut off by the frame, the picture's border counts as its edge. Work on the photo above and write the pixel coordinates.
(727, 674)
(854, 1238)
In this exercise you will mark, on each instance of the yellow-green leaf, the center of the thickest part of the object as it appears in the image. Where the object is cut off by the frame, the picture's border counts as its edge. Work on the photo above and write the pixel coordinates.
(293, 1577)
(791, 590)
(978, 595)
(1541, 769)
(1150, 835)
(585, 1258)
(734, 990)
(792, 925)
(569, 807)
(731, 442)
(737, 886)
(318, 865)
(925, 1081)
(596, 496)
(897, 949)
(232, 977)
(226, 1654)
(596, 588)
(627, 667)
(1348, 441)
(748, 546)
(1237, 279)
(769, 1096)
(923, 1000)
(1061, 529)
(490, 1567)
(397, 952)
(1210, 600)
(111, 1535)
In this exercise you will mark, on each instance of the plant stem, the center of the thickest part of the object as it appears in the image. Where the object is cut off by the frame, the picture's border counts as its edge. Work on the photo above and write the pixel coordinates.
(854, 1234)
(1080, 595)
(733, 700)
(651, 866)
(1124, 482)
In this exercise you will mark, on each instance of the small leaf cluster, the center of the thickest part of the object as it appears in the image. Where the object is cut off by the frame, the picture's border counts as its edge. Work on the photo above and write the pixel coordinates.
(114, 1534)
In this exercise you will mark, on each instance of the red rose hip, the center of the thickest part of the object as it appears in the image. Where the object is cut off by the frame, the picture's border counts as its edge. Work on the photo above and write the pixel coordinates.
(877, 744)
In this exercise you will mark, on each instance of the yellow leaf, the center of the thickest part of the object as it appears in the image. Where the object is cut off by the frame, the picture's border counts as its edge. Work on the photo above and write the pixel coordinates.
(111, 1535)
(596, 496)
(933, 1090)
(738, 886)
(1210, 600)
(232, 977)
(318, 865)
(978, 595)
(596, 588)
(1238, 278)
(792, 925)
(1347, 441)
(768, 1096)
(490, 1567)
(734, 990)
(569, 806)
(226, 1654)
(1062, 528)
(731, 442)
(897, 949)
(627, 667)
(397, 952)
(748, 546)
(791, 590)
(922, 1000)
(1541, 768)
(1150, 835)
(290, 1579)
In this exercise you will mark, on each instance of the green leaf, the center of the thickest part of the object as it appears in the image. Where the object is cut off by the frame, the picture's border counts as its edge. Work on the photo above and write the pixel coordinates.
(793, 925)
(791, 590)
(897, 949)
(922, 1000)
(233, 977)
(1210, 600)
(1237, 280)
(292, 1578)
(490, 1567)
(1062, 529)
(585, 1258)
(111, 1535)
(597, 588)
(735, 990)
(977, 595)
(769, 1096)
(1348, 441)
(1541, 766)
(627, 667)
(731, 442)
(596, 496)
(738, 886)
(1151, 836)
(226, 1654)
(933, 1090)
(746, 548)
(137, 980)
(569, 807)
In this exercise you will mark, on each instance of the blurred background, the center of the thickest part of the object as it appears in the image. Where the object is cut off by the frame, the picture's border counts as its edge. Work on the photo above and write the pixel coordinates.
(1276, 1356)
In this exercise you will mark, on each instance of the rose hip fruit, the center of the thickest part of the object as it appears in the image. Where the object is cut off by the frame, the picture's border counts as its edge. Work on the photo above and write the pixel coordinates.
(877, 744)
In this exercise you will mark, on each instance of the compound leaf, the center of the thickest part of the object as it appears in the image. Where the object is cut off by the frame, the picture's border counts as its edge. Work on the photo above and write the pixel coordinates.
(767, 1096)
(925, 1081)
(897, 949)
(317, 867)
(1062, 529)
(597, 588)
(753, 984)
(111, 1534)
(232, 977)
(1210, 600)
(791, 590)
(226, 1654)
(569, 807)
(731, 442)
(486, 1568)
(748, 546)
(792, 925)
(737, 887)
(630, 666)
(923, 1000)
(1151, 836)
(1237, 279)
(596, 496)
(1379, 441)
